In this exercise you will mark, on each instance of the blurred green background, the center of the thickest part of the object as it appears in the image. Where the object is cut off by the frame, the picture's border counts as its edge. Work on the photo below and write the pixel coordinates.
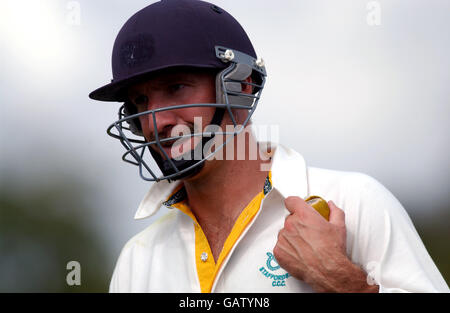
(435, 234)
(42, 229)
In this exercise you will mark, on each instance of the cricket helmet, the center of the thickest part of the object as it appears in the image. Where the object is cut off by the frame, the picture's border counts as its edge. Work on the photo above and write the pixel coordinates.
(185, 34)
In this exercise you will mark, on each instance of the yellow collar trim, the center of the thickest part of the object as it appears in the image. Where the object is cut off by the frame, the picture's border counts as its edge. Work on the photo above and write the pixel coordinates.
(207, 269)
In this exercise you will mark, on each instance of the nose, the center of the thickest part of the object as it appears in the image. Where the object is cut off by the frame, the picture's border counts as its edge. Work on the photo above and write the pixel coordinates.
(161, 121)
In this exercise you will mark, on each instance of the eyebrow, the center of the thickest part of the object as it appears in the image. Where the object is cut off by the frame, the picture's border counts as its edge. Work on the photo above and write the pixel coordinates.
(161, 81)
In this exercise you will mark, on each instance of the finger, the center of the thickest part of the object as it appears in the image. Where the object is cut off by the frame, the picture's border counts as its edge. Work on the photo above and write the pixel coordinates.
(337, 216)
(292, 223)
(293, 203)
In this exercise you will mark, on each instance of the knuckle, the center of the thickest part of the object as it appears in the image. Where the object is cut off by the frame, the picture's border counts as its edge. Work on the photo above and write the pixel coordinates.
(283, 234)
(301, 214)
(280, 234)
(277, 252)
(288, 223)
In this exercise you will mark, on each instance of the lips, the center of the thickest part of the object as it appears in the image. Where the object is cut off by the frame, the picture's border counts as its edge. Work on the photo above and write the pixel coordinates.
(168, 144)
(173, 150)
(178, 147)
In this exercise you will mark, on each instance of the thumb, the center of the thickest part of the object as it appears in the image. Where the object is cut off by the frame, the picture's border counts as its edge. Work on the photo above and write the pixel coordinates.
(337, 216)
(292, 203)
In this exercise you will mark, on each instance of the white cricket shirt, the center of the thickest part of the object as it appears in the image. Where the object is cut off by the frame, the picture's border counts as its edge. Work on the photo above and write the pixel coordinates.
(173, 255)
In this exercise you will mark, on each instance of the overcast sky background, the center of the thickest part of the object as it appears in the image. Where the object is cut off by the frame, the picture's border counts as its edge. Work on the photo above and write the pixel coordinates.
(346, 95)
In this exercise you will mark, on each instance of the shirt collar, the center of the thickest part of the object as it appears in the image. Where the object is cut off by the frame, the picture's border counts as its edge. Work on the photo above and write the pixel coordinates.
(289, 178)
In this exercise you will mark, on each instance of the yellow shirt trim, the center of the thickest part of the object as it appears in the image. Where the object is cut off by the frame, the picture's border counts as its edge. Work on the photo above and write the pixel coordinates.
(208, 270)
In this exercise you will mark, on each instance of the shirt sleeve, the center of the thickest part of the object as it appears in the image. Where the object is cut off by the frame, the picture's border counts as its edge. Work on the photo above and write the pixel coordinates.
(384, 242)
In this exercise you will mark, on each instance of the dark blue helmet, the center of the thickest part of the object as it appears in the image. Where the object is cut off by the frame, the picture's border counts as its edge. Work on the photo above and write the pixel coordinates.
(179, 33)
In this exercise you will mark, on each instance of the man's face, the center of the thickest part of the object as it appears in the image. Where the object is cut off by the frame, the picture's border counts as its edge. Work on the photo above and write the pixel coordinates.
(169, 88)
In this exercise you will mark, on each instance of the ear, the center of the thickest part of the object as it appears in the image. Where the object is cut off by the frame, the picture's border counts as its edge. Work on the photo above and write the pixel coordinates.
(246, 88)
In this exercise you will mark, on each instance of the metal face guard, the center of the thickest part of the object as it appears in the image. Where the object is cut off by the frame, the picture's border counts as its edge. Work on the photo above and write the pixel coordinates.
(229, 95)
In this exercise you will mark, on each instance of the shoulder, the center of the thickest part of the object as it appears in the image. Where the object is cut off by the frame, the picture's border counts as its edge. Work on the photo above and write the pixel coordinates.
(138, 251)
(157, 230)
(350, 183)
(136, 254)
(364, 199)
(381, 237)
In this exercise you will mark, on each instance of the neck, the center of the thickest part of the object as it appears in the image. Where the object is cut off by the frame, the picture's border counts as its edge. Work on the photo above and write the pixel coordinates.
(218, 196)
(226, 191)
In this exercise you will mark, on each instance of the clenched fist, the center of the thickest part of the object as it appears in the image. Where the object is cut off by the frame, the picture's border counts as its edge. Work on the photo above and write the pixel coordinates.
(313, 249)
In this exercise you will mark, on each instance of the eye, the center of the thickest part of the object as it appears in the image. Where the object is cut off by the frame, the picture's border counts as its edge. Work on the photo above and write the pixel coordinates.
(176, 87)
(141, 100)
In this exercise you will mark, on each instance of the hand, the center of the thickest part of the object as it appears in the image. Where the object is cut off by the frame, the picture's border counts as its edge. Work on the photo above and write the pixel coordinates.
(314, 250)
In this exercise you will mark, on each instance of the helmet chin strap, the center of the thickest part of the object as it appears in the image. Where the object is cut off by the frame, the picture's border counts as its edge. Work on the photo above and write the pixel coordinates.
(187, 159)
